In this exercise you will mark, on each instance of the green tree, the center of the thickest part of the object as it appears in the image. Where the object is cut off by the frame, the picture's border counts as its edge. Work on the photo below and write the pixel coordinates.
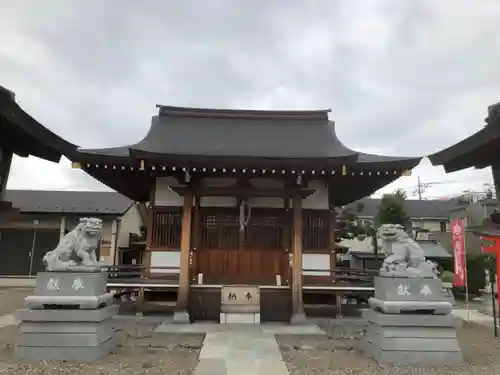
(372, 232)
(349, 227)
(392, 209)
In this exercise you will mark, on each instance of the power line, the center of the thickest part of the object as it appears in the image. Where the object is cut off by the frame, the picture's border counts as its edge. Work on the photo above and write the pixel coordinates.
(439, 182)
(420, 188)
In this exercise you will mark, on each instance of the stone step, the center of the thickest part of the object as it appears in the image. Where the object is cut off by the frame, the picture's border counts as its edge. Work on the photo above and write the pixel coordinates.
(245, 318)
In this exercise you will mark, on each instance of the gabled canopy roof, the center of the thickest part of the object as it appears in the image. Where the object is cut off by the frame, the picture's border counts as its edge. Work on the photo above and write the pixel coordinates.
(479, 150)
(22, 134)
(247, 135)
(244, 134)
(191, 137)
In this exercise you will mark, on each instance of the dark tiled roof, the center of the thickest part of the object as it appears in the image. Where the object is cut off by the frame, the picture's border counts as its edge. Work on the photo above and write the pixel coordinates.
(414, 208)
(477, 150)
(80, 202)
(24, 135)
(433, 249)
(244, 139)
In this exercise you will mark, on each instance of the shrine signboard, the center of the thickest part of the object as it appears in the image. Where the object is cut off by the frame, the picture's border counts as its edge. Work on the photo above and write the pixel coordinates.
(240, 295)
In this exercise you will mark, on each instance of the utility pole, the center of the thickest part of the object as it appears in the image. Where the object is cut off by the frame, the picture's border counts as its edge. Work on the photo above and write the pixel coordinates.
(420, 189)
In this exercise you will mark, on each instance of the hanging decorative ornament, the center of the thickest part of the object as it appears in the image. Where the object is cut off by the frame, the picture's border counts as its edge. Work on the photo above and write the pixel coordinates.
(244, 220)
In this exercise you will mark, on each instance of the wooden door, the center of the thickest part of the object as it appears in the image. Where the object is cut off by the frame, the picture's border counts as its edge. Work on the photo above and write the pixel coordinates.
(16, 246)
(263, 256)
(46, 240)
(226, 257)
(217, 253)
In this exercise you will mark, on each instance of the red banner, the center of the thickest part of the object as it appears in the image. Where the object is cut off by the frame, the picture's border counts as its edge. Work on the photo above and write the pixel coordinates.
(458, 245)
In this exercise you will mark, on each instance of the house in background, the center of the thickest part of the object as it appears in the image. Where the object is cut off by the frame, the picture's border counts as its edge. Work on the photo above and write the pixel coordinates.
(428, 215)
(427, 218)
(45, 216)
(473, 209)
(430, 220)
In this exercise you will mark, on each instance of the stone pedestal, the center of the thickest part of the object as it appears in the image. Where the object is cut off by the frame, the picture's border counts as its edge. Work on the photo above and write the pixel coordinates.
(410, 323)
(448, 294)
(409, 339)
(68, 318)
(395, 295)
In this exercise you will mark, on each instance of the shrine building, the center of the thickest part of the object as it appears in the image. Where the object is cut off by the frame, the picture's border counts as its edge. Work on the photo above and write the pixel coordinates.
(241, 197)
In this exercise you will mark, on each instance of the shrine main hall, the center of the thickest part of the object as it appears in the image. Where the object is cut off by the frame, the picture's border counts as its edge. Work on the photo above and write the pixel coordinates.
(241, 197)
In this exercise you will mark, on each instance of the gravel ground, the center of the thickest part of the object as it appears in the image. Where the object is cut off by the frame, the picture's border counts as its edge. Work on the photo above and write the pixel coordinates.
(141, 352)
(336, 353)
(12, 299)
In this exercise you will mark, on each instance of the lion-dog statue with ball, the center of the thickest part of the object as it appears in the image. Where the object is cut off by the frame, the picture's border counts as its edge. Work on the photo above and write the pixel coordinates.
(76, 250)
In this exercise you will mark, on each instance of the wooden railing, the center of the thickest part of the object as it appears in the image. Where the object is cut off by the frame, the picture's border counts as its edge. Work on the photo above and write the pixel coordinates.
(347, 276)
(135, 272)
(139, 274)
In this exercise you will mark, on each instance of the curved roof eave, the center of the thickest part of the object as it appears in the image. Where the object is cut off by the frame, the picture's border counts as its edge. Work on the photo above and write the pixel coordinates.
(407, 162)
(469, 145)
(133, 187)
(119, 155)
(43, 143)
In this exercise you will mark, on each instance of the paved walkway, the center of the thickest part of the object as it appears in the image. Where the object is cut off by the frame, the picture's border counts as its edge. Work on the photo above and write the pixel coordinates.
(7, 320)
(473, 316)
(243, 349)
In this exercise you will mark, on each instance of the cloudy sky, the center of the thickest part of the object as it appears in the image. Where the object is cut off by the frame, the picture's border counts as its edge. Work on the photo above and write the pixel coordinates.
(401, 77)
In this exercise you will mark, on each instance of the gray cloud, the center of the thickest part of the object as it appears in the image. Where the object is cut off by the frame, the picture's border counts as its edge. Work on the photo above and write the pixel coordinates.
(401, 77)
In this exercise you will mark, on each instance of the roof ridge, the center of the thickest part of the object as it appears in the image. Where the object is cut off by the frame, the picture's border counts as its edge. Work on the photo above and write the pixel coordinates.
(243, 113)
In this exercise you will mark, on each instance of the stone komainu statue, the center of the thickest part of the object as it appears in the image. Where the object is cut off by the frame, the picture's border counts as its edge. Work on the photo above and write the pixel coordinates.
(76, 250)
(405, 258)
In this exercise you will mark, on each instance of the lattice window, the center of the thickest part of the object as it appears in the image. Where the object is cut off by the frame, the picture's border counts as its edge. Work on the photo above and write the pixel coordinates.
(316, 230)
(264, 232)
(167, 228)
(219, 231)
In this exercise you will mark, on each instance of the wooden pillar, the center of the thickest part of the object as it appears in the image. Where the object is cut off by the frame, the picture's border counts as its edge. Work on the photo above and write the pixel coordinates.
(196, 241)
(332, 226)
(287, 242)
(181, 314)
(5, 162)
(298, 315)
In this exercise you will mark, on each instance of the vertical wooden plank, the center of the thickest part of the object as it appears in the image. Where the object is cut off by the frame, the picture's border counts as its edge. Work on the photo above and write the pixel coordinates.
(146, 257)
(332, 217)
(181, 314)
(298, 316)
(287, 233)
(196, 240)
(150, 218)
